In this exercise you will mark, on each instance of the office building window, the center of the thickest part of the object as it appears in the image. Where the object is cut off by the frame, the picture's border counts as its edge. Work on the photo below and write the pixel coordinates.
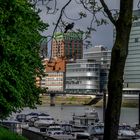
(136, 40)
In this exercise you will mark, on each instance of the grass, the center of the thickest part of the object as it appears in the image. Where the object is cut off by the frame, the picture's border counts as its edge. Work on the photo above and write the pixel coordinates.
(8, 135)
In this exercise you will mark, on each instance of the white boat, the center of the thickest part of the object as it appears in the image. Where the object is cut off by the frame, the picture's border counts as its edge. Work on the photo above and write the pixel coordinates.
(125, 131)
(66, 127)
(21, 117)
(44, 121)
(80, 128)
(88, 118)
(31, 115)
(56, 131)
(96, 129)
(81, 135)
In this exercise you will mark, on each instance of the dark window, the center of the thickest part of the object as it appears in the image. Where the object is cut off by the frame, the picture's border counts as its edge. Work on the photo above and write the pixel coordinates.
(136, 40)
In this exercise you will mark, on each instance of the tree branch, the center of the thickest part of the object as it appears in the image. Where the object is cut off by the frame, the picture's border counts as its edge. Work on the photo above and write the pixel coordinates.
(138, 5)
(60, 16)
(107, 11)
(54, 9)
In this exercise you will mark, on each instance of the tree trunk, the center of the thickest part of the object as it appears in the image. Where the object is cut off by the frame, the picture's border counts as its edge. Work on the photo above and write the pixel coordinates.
(115, 80)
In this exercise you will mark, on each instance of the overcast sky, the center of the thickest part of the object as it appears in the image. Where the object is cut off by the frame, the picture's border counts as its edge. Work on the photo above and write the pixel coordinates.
(103, 35)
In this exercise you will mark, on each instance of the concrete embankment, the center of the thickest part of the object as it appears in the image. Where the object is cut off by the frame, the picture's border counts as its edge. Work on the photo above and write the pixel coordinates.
(85, 100)
(67, 100)
(125, 103)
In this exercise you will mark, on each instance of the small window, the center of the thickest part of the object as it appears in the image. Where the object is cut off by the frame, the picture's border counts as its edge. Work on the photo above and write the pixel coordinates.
(136, 40)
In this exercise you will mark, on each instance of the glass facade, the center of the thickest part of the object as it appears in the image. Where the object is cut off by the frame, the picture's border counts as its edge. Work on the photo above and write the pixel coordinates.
(83, 76)
(132, 66)
(103, 56)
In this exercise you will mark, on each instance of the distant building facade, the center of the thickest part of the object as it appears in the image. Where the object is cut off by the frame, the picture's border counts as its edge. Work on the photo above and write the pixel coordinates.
(102, 56)
(86, 75)
(68, 45)
(55, 74)
(132, 66)
(83, 76)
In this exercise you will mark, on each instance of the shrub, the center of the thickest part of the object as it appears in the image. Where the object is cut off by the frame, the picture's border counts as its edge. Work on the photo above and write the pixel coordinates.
(8, 135)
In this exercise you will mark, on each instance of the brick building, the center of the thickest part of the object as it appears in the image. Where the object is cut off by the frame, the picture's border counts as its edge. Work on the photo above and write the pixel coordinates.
(55, 74)
(68, 45)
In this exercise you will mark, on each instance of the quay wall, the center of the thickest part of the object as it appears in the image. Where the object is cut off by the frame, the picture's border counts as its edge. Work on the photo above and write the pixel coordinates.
(31, 135)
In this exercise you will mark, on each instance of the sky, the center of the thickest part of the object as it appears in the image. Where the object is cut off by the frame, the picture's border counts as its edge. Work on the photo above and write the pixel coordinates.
(103, 34)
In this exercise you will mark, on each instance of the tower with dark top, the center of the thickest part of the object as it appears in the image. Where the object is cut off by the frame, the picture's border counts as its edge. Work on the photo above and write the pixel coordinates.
(68, 45)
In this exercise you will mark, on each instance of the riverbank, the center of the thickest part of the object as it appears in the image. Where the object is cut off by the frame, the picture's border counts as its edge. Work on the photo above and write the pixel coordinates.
(67, 100)
(125, 103)
(82, 100)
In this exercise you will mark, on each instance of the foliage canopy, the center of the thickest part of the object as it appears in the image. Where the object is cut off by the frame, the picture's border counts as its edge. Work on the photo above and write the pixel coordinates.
(19, 55)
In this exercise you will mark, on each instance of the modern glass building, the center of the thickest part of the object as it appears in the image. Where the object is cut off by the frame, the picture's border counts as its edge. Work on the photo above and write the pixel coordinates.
(83, 76)
(102, 56)
(132, 66)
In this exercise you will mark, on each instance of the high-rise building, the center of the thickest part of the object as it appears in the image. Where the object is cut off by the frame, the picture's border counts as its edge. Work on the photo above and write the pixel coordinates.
(102, 56)
(89, 74)
(68, 45)
(83, 76)
(132, 66)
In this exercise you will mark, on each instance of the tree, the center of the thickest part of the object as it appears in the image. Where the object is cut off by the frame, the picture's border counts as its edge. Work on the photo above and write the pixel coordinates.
(119, 54)
(19, 55)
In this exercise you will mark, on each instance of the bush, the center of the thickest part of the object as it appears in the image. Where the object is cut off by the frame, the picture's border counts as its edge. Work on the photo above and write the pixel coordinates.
(8, 135)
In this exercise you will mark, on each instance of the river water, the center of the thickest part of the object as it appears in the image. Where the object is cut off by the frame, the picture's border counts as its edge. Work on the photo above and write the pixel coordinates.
(64, 113)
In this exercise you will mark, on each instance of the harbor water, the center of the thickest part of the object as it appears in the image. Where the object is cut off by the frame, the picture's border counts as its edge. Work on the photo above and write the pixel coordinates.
(65, 113)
